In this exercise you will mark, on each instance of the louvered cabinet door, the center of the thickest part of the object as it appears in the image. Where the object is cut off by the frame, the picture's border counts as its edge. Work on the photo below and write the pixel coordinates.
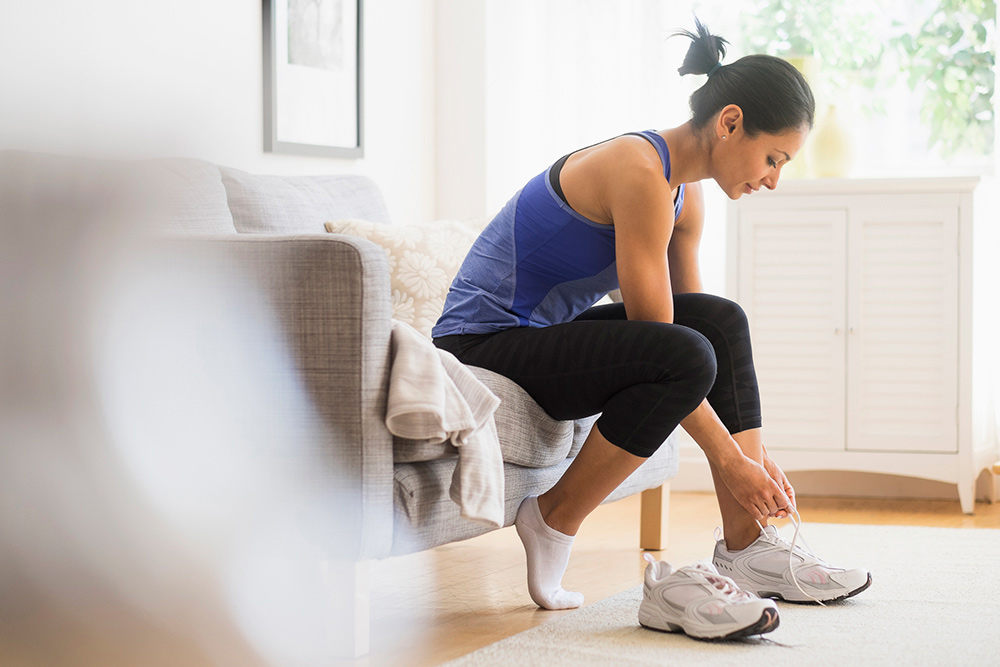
(792, 286)
(902, 384)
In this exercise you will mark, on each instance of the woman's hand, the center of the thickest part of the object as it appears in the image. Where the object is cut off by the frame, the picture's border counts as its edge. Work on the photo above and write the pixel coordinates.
(778, 476)
(755, 488)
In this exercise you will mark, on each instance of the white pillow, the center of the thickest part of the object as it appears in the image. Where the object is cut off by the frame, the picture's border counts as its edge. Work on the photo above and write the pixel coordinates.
(423, 260)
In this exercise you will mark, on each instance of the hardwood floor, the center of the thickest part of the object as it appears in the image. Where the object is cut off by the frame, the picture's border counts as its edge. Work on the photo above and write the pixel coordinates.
(431, 607)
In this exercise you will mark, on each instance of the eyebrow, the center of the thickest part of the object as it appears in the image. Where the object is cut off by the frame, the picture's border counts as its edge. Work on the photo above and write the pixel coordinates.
(787, 157)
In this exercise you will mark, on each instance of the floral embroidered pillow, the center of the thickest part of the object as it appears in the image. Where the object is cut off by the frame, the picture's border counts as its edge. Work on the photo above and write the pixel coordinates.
(423, 260)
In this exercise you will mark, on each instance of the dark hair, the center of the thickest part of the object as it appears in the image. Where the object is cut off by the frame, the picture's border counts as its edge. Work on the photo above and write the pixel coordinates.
(773, 95)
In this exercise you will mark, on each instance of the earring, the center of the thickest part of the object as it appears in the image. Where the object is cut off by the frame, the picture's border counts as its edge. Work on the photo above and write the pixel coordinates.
(723, 136)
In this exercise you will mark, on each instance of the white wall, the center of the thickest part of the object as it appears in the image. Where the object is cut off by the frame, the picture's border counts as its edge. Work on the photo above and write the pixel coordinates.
(128, 78)
(460, 103)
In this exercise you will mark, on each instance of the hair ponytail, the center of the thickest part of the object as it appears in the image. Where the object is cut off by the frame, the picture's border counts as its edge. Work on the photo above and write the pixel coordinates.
(706, 50)
(773, 95)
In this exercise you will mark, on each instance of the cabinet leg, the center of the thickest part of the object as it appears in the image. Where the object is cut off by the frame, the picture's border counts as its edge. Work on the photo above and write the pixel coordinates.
(967, 497)
(655, 516)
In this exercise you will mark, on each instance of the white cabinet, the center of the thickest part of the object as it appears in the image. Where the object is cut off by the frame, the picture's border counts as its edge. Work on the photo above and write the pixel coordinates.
(859, 295)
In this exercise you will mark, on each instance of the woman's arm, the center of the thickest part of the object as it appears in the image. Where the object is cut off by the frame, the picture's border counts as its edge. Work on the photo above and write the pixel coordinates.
(639, 203)
(682, 253)
(746, 477)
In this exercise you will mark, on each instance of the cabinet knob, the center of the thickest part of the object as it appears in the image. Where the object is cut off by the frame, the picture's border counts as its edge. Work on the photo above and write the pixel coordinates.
(836, 331)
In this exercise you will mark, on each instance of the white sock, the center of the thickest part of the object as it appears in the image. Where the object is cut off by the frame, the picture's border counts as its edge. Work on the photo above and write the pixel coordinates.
(548, 554)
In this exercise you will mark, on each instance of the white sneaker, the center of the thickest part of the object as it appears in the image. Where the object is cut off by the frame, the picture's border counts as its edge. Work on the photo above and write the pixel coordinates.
(771, 568)
(702, 603)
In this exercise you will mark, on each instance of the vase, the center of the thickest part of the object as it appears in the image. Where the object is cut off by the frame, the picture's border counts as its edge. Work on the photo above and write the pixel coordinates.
(809, 67)
(831, 150)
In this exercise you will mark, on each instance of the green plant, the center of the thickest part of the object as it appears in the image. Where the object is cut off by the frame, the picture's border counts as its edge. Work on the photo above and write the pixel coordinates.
(946, 51)
(838, 33)
(951, 58)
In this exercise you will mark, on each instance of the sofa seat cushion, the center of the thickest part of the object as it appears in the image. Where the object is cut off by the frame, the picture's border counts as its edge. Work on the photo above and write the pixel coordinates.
(299, 204)
(426, 517)
(529, 437)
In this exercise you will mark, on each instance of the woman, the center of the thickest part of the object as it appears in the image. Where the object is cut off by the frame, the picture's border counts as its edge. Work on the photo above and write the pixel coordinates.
(628, 213)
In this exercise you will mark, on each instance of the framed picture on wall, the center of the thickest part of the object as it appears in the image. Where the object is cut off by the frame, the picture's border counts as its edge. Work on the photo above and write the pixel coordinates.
(312, 77)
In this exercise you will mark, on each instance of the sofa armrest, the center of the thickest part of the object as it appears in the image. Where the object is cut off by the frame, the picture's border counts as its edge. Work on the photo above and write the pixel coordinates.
(330, 295)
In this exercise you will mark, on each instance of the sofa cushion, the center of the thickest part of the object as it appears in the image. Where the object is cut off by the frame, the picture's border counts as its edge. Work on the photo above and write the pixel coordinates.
(166, 195)
(423, 260)
(425, 516)
(299, 204)
(186, 196)
(529, 437)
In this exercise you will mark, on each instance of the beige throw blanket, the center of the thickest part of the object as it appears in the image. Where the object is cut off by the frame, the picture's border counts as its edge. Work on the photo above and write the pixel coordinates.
(433, 397)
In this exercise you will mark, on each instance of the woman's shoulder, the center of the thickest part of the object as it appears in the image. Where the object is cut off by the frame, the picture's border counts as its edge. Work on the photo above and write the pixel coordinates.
(628, 158)
(602, 179)
(635, 151)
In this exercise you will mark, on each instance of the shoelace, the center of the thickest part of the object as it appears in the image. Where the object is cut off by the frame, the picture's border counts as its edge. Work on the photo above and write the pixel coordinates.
(722, 583)
(796, 520)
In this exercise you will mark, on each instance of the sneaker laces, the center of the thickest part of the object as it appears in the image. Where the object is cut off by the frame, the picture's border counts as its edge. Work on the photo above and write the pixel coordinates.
(722, 583)
(793, 515)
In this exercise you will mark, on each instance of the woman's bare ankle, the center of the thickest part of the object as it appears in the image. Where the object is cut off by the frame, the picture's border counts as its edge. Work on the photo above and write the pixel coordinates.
(740, 538)
(555, 518)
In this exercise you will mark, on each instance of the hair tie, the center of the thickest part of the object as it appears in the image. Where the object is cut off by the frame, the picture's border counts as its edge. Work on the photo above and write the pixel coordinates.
(714, 69)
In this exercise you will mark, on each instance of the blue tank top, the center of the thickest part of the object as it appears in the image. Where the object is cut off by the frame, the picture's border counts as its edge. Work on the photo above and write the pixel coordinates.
(538, 263)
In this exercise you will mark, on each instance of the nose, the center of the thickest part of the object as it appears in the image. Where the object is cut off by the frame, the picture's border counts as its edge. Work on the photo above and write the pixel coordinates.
(771, 180)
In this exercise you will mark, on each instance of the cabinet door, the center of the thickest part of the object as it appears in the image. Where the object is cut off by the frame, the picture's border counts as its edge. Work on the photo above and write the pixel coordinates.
(792, 286)
(903, 329)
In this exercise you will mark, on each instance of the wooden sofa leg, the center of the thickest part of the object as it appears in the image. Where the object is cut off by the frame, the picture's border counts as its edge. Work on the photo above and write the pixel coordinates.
(655, 517)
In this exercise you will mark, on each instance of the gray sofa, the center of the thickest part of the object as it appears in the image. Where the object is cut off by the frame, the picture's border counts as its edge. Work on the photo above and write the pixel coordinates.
(331, 294)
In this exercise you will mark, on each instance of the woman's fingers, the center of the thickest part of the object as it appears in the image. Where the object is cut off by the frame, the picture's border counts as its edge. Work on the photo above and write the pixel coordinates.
(755, 489)
(790, 492)
(772, 502)
(778, 475)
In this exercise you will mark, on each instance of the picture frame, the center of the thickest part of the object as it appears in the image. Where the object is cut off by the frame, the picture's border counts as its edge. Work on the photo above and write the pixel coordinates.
(313, 101)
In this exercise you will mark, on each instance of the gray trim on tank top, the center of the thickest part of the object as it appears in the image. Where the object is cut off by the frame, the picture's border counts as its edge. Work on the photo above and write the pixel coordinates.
(557, 295)
(566, 207)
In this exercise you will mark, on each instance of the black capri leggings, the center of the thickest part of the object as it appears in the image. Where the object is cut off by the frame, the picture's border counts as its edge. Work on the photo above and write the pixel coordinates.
(644, 377)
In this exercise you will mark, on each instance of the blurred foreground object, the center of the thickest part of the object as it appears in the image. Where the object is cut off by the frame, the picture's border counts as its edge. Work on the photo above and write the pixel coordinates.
(167, 491)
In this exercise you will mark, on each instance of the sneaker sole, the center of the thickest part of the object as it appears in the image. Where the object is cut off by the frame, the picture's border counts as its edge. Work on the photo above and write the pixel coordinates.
(767, 622)
(850, 594)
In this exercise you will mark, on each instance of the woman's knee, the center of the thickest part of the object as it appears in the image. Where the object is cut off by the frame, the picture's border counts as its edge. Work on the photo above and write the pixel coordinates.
(681, 370)
(732, 315)
(720, 319)
(707, 305)
(701, 365)
(687, 361)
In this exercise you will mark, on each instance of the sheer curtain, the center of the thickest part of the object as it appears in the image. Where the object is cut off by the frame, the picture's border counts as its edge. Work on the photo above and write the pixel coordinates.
(566, 73)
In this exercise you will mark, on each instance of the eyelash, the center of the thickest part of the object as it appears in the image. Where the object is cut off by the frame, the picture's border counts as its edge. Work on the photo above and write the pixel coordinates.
(771, 163)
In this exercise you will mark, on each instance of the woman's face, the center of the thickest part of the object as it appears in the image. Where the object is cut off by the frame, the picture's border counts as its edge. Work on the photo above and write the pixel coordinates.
(746, 164)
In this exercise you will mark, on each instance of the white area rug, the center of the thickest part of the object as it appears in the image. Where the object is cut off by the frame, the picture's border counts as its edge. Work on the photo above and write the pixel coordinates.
(934, 600)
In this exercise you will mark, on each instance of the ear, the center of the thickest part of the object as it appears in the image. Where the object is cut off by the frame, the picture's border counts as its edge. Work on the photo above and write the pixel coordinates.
(730, 121)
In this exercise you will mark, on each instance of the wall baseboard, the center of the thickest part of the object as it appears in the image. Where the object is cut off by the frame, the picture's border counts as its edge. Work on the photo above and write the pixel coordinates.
(695, 475)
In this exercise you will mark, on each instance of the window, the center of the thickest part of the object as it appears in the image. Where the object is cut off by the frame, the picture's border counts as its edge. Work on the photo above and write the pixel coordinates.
(911, 82)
